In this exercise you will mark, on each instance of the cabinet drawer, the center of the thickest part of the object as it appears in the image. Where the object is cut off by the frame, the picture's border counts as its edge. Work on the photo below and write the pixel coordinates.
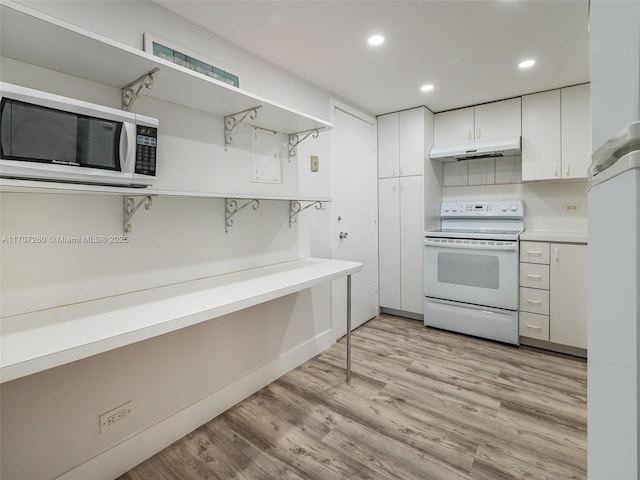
(534, 252)
(533, 325)
(534, 300)
(534, 275)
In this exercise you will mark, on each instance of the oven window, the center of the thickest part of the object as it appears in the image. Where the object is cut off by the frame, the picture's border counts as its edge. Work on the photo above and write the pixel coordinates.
(469, 269)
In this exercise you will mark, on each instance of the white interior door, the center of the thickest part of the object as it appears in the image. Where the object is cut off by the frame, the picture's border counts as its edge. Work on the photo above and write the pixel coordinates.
(353, 150)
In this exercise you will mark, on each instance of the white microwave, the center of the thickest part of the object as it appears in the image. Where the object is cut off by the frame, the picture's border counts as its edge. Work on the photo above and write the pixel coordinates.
(52, 138)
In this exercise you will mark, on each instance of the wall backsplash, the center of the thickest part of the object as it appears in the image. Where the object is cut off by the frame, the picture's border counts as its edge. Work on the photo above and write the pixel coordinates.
(548, 206)
(489, 171)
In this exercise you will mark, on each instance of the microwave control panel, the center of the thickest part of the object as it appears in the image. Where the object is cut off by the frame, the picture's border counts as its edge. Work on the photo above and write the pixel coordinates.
(146, 141)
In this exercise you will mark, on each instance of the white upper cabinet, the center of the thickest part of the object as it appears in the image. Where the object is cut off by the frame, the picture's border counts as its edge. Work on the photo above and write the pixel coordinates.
(575, 109)
(482, 122)
(401, 145)
(556, 134)
(454, 127)
(541, 136)
(412, 133)
(388, 145)
(498, 120)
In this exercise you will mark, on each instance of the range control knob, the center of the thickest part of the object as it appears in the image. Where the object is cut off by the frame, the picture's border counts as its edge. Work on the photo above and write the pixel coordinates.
(455, 208)
(446, 208)
(514, 207)
(505, 207)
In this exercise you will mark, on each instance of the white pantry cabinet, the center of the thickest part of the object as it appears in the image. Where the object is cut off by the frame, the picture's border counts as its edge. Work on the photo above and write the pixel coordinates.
(404, 138)
(553, 292)
(483, 122)
(556, 134)
(401, 242)
(401, 148)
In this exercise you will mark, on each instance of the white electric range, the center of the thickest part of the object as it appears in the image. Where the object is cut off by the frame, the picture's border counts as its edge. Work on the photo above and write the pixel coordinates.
(471, 269)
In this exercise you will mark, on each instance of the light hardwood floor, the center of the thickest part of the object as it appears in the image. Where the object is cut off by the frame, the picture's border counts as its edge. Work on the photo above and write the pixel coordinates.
(422, 404)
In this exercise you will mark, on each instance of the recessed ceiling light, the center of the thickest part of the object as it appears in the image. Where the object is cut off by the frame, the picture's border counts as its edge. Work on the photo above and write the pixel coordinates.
(375, 40)
(527, 63)
(426, 88)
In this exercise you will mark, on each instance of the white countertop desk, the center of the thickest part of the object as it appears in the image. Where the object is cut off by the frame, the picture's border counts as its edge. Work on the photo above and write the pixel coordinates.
(41, 340)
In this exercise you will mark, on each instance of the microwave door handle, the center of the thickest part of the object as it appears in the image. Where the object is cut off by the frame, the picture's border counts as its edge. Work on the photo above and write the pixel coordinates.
(128, 148)
(504, 248)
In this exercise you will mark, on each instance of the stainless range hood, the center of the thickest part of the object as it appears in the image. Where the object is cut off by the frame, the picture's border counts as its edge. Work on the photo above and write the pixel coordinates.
(481, 149)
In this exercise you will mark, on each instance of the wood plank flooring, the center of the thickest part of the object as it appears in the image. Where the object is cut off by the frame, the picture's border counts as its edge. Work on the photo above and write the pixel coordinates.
(422, 404)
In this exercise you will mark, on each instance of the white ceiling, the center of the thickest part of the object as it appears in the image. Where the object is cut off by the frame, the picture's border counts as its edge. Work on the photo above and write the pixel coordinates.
(468, 49)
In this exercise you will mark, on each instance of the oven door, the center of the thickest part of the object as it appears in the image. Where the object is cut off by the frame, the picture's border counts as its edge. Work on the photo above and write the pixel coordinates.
(480, 272)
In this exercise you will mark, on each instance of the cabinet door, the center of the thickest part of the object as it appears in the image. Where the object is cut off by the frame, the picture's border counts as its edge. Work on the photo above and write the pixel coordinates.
(541, 136)
(568, 298)
(576, 131)
(454, 127)
(411, 244)
(498, 120)
(389, 242)
(388, 146)
(412, 152)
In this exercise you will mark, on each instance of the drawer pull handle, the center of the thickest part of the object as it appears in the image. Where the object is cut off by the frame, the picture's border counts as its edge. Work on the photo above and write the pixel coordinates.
(534, 277)
(535, 327)
(537, 253)
(534, 302)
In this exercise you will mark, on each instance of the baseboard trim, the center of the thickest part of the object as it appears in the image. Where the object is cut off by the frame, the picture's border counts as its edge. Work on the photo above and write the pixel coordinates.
(554, 347)
(127, 454)
(402, 313)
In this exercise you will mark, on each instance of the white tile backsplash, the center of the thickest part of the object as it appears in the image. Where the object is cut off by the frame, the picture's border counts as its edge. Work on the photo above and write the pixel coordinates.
(509, 169)
(455, 174)
(482, 172)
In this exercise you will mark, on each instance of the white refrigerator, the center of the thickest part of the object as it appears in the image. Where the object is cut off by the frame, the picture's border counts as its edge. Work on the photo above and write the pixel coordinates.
(614, 308)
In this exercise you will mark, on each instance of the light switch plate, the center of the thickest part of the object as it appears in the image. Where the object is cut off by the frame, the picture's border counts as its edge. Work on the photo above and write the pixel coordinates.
(315, 163)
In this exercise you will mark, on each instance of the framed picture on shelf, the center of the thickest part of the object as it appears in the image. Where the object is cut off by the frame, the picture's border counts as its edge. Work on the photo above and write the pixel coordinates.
(183, 57)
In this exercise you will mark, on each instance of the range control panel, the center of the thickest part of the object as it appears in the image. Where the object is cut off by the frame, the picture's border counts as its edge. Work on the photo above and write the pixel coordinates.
(500, 208)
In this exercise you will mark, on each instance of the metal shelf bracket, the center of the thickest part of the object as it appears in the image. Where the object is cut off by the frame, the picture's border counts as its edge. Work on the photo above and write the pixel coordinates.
(296, 139)
(231, 208)
(130, 94)
(130, 209)
(295, 207)
(235, 119)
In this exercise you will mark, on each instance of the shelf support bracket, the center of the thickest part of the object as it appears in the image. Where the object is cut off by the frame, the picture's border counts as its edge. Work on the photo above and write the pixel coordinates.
(130, 93)
(130, 209)
(231, 208)
(295, 207)
(235, 119)
(296, 139)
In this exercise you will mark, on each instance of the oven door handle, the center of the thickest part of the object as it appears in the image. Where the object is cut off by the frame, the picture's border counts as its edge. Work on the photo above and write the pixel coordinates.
(507, 247)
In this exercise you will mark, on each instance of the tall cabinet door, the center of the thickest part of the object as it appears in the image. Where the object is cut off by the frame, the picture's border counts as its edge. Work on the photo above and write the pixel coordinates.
(411, 136)
(568, 302)
(388, 146)
(412, 243)
(389, 242)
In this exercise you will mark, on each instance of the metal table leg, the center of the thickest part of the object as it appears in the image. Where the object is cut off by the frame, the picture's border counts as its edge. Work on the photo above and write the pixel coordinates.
(348, 328)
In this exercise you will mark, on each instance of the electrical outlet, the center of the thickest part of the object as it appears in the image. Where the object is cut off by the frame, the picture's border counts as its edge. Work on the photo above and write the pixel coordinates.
(315, 163)
(116, 415)
(571, 207)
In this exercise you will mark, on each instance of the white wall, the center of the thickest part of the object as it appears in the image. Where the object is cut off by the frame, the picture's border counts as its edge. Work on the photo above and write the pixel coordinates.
(55, 413)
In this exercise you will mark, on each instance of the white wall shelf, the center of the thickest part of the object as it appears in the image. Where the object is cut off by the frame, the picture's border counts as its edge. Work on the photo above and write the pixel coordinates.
(37, 341)
(38, 39)
(132, 204)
